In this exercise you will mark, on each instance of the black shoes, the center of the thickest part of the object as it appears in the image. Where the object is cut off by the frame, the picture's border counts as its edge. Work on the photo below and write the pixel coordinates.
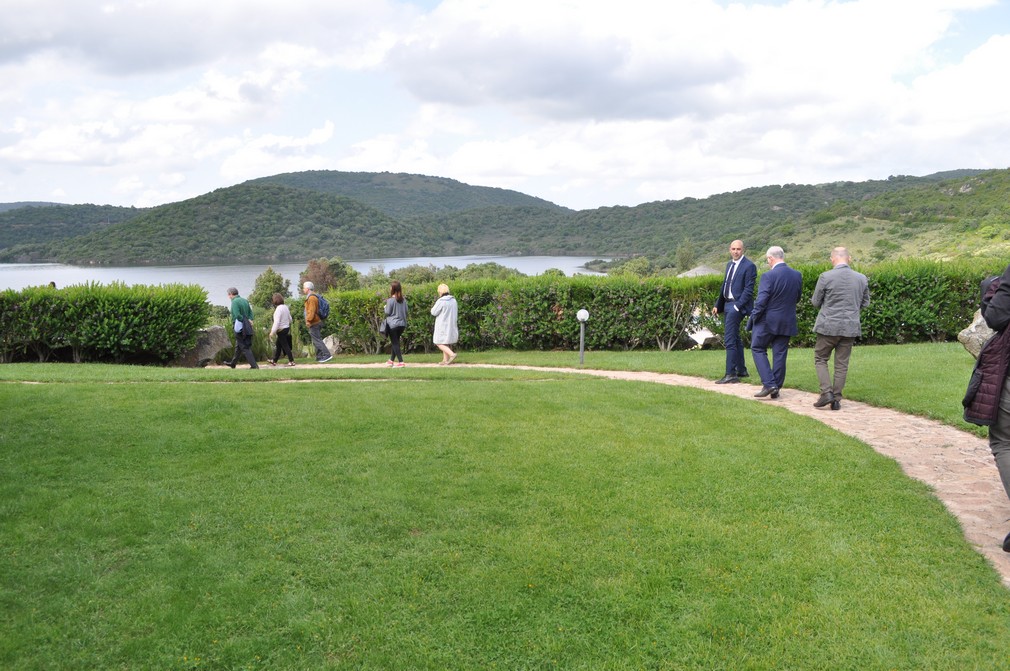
(230, 364)
(836, 404)
(827, 398)
(743, 374)
(767, 391)
(1006, 543)
(727, 379)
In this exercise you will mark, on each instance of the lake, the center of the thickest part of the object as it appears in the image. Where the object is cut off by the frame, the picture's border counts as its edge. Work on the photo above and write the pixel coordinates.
(217, 279)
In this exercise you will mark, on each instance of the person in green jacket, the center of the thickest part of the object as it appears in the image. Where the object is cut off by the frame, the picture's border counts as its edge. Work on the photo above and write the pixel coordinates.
(241, 314)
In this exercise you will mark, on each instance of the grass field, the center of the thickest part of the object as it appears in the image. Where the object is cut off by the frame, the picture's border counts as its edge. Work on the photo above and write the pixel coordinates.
(452, 518)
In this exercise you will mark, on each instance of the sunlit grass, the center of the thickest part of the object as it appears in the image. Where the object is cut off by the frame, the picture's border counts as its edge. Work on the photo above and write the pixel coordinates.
(465, 518)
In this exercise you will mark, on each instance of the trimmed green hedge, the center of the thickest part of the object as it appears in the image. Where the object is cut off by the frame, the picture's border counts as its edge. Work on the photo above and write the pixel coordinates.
(910, 301)
(533, 313)
(91, 322)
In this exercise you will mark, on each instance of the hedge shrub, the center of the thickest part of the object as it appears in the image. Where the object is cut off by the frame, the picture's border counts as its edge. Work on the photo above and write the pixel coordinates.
(911, 301)
(534, 313)
(95, 323)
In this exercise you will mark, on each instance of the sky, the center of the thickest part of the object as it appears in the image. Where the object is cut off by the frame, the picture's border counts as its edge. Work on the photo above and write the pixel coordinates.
(585, 103)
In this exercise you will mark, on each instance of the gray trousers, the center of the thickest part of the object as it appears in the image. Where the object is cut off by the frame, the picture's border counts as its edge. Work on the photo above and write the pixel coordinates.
(316, 333)
(842, 347)
(999, 437)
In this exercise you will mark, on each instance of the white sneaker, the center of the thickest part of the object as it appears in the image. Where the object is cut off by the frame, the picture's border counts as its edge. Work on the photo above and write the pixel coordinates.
(325, 360)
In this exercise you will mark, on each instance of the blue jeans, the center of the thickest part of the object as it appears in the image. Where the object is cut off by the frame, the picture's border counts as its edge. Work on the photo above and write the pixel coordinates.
(731, 336)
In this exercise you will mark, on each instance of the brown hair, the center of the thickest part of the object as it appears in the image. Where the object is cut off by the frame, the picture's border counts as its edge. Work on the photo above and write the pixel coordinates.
(396, 291)
(277, 299)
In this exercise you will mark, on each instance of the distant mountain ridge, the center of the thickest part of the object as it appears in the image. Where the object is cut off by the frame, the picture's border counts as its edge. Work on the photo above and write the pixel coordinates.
(33, 223)
(13, 206)
(403, 195)
(296, 216)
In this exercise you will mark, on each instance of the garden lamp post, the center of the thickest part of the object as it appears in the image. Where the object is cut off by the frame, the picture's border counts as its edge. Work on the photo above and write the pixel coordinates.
(583, 316)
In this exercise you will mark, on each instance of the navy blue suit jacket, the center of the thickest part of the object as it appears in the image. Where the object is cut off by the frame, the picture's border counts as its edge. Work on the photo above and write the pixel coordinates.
(743, 286)
(774, 310)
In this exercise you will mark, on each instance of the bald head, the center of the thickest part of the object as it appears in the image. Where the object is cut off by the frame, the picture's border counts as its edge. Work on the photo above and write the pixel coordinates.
(840, 255)
(736, 249)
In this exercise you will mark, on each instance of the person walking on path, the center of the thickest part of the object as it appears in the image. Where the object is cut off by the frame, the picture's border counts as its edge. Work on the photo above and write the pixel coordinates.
(734, 303)
(241, 318)
(281, 330)
(446, 313)
(997, 316)
(396, 322)
(841, 294)
(773, 321)
(314, 323)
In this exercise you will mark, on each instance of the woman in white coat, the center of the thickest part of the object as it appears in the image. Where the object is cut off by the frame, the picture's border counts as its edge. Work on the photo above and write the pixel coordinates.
(446, 333)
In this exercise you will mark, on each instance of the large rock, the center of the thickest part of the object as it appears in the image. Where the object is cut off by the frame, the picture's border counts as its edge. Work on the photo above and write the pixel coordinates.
(975, 335)
(209, 342)
(332, 344)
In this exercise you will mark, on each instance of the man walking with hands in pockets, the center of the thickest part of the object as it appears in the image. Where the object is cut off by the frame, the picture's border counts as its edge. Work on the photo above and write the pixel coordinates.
(773, 321)
(734, 303)
(841, 294)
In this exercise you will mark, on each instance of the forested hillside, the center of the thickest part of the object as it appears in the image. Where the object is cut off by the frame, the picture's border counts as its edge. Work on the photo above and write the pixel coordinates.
(401, 195)
(961, 213)
(239, 224)
(13, 206)
(31, 223)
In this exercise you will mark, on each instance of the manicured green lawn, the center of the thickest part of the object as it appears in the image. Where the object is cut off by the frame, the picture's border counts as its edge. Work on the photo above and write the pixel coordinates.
(928, 380)
(457, 519)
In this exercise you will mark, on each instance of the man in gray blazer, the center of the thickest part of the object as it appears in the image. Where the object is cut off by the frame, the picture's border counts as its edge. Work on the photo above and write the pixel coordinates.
(841, 294)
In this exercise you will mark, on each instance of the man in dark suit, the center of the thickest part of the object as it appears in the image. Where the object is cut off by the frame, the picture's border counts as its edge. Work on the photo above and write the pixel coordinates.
(734, 303)
(773, 321)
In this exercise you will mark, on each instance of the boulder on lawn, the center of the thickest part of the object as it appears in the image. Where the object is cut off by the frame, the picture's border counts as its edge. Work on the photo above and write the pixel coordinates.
(209, 342)
(332, 344)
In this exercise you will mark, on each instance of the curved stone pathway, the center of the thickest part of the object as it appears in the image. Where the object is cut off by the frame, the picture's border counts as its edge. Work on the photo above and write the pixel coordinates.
(957, 465)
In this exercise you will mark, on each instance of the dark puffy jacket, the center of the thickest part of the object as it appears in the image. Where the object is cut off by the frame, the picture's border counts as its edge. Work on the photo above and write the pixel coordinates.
(981, 402)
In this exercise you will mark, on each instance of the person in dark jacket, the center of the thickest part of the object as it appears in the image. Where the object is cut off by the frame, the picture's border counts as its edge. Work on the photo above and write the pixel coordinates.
(241, 316)
(734, 303)
(997, 316)
(773, 321)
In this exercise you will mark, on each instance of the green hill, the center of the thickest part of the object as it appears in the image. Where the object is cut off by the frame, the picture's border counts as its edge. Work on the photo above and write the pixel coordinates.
(402, 195)
(28, 223)
(297, 216)
(242, 223)
(13, 206)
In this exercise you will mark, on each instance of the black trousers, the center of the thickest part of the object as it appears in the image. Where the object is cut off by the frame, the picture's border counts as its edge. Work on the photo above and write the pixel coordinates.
(394, 338)
(283, 345)
(243, 345)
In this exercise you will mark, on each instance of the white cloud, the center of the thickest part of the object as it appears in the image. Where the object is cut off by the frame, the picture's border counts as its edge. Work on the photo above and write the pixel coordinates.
(271, 154)
(589, 103)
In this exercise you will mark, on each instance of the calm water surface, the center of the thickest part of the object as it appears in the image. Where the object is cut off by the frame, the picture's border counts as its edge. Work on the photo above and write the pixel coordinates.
(217, 279)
